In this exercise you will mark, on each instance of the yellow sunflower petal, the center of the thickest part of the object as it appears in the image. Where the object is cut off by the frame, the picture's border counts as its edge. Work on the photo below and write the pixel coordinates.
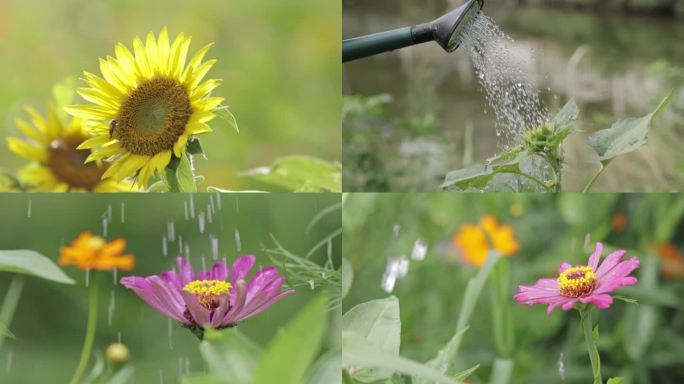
(97, 96)
(179, 147)
(197, 75)
(104, 153)
(26, 150)
(141, 58)
(195, 62)
(94, 141)
(151, 49)
(107, 70)
(101, 84)
(209, 103)
(130, 165)
(204, 89)
(174, 70)
(37, 119)
(161, 160)
(92, 112)
(197, 128)
(126, 61)
(29, 131)
(163, 51)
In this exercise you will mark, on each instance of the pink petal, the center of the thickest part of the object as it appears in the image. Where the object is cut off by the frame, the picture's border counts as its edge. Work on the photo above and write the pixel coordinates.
(144, 290)
(543, 288)
(596, 256)
(171, 277)
(185, 270)
(618, 276)
(199, 313)
(219, 313)
(237, 301)
(265, 305)
(219, 271)
(610, 262)
(563, 267)
(204, 275)
(600, 301)
(241, 267)
(569, 304)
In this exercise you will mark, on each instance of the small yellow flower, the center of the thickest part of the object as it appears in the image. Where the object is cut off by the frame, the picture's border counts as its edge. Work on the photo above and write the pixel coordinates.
(50, 143)
(473, 241)
(147, 105)
(93, 252)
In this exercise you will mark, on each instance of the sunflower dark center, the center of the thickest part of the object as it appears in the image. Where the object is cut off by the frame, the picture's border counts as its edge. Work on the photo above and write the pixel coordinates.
(68, 163)
(153, 117)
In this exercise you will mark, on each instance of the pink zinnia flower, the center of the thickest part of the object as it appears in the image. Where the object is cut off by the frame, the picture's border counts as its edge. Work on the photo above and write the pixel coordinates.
(583, 283)
(208, 299)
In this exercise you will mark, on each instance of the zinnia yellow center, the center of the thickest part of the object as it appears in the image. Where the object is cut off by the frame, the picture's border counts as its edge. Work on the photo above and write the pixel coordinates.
(67, 163)
(577, 281)
(208, 291)
(152, 117)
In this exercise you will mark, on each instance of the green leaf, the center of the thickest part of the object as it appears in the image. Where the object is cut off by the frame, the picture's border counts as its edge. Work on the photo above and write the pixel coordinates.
(615, 380)
(627, 300)
(358, 352)
(32, 263)
(230, 354)
(327, 369)
(625, 135)
(194, 147)
(4, 331)
(478, 176)
(300, 174)
(501, 372)
(567, 115)
(178, 176)
(123, 375)
(227, 116)
(347, 276)
(289, 355)
(378, 322)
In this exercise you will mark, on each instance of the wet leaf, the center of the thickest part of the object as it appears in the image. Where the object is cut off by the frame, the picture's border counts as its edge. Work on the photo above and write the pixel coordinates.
(290, 354)
(30, 262)
(230, 354)
(625, 135)
(378, 322)
(194, 147)
(178, 176)
(567, 115)
(357, 352)
(327, 369)
(478, 176)
(300, 174)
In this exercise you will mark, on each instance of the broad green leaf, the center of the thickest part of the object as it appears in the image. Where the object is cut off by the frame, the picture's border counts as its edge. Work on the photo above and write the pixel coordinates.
(290, 354)
(327, 369)
(194, 147)
(347, 276)
(178, 176)
(123, 375)
(615, 380)
(378, 322)
(567, 115)
(300, 174)
(478, 176)
(227, 116)
(32, 263)
(625, 135)
(358, 352)
(230, 354)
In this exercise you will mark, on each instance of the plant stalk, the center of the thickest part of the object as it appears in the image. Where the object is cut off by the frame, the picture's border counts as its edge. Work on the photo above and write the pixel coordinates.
(593, 179)
(587, 328)
(90, 332)
(9, 304)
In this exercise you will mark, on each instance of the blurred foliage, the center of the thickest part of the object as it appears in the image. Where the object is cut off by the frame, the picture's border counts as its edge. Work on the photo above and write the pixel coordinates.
(642, 343)
(50, 318)
(280, 62)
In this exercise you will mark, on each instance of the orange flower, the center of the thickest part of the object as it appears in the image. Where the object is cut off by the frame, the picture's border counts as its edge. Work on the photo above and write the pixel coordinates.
(672, 261)
(619, 222)
(474, 241)
(93, 252)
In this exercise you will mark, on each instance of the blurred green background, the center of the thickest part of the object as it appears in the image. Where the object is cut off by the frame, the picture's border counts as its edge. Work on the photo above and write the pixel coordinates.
(50, 320)
(643, 343)
(616, 58)
(279, 59)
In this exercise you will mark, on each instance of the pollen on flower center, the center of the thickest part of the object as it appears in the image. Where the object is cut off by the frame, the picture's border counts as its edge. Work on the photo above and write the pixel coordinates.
(208, 291)
(67, 163)
(577, 281)
(153, 116)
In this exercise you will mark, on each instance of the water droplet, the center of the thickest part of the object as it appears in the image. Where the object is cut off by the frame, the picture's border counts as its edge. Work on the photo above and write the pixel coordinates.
(238, 242)
(420, 248)
(312, 284)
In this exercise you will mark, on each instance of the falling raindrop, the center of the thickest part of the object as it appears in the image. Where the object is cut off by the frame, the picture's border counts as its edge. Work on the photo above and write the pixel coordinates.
(388, 281)
(187, 251)
(561, 367)
(123, 213)
(312, 284)
(109, 213)
(420, 248)
(204, 264)
(87, 277)
(237, 205)
(110, 310)
(105, 225)
(192, 206)
(402, 266)
(171, 231)
(185, 208)
(200, 221)
(218, 200)
(214, 246)
(238, 242)
(165, 246)
(115, 272)
(587, 240)
(395, 230)
(211, 203)
(161, 376)
(210, 213)
(180, 245)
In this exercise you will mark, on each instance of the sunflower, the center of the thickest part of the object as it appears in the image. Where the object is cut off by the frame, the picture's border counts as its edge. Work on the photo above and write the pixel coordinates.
(57, 164)
(147, 105)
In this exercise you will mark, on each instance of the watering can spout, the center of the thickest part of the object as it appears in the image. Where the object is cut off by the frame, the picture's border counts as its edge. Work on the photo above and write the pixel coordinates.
(446, 30)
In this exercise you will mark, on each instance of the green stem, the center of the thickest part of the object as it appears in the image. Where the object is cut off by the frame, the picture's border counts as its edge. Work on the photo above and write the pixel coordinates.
(90, 332)
(587, 328)
(593, 179)
(548, 189)
(9, 304)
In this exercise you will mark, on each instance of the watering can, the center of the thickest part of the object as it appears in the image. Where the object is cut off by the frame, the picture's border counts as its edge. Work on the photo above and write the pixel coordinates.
(445, 30)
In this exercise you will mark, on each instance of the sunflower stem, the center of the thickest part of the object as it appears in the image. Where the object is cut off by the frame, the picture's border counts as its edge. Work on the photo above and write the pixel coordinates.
(591, 337)
(90, 332)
